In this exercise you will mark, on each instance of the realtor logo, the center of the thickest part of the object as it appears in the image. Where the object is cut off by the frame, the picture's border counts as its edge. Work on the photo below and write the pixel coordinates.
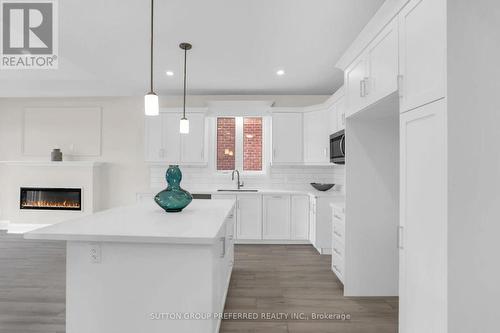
(29, 34)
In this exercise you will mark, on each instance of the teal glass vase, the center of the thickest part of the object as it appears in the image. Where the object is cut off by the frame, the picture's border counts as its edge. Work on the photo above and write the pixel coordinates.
(173, 198)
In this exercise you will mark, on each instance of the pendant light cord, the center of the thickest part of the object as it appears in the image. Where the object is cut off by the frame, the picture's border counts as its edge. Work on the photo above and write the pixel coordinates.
(151, 63)
(185, 61)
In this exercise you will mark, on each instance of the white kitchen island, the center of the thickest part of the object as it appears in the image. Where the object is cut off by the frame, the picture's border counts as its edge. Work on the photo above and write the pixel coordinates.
(140, 269)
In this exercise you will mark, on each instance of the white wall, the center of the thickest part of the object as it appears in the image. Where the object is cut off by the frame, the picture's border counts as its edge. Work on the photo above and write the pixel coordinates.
(123, 137)
(474, 165)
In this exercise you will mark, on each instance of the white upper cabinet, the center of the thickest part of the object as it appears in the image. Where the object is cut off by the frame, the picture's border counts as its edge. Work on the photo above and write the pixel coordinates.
(193, 143)
(153, 139)
(249, 217)
(422, 52)
(332, 119)
(316, 136)
(171, 138)
(355, 82)
(165, 144)
(287, 138)
(373, 75)
(299, 217)
(340, 111)
(276, 217)
(382, 58)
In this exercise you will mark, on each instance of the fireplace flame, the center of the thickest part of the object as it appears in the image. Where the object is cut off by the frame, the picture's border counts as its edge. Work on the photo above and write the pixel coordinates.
(51, 204)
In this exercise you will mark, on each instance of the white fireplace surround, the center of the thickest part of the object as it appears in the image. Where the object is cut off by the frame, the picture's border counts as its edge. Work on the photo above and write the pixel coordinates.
(84, 175)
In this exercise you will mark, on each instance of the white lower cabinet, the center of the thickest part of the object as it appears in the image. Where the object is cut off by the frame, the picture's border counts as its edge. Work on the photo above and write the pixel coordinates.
(423, 220)
(283, 218)
(320, 229)
(299, 217)
(276, 217)
(249, 216)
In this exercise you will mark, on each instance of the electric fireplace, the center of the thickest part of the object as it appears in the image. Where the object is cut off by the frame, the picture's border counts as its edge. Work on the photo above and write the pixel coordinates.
(51, 198)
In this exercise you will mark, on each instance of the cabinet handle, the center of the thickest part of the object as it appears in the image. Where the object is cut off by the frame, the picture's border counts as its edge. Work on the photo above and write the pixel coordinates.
(361, 92)
(366, 86)
(400, 85)
(400, 237)
(337, 234)
(223, 245)
(274, 152)
(343, 118)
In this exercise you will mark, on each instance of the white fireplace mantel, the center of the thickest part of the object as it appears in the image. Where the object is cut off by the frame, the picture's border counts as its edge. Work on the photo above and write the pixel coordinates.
(54, 164)
(85, 175)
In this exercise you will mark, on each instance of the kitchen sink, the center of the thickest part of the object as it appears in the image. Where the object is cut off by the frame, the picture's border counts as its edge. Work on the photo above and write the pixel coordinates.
(236, 190)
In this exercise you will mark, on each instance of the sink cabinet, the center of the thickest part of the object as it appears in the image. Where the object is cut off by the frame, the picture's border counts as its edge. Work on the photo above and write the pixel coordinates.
(270, 218)
(276, 220)
(249, 216)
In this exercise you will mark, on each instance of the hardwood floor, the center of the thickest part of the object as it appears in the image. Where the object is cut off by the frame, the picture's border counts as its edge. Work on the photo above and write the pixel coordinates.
(295, 279)
(266, 279)
(32, 285)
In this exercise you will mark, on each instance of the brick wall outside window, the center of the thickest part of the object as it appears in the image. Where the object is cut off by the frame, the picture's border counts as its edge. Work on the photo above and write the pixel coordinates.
(226, 143)
(252, 144)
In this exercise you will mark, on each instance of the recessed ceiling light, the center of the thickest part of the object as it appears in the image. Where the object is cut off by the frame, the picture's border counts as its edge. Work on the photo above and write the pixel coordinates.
(170, 73)
(280, 72)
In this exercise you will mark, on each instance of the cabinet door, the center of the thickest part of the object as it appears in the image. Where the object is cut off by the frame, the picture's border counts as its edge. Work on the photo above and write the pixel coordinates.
(340, 105)
(299, 217)
(355, 80)
(171, 137)
(249, 217)
(193, 143)
(422, 51)
(382, 55)
(287, 138)
(276, 216)
(423, 224)
(153, 139)
(332, 119)
(316, 137)
(229, 197)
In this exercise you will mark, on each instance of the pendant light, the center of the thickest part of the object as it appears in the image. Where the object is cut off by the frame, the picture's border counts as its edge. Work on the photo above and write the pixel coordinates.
(151, 106)
(184, 123)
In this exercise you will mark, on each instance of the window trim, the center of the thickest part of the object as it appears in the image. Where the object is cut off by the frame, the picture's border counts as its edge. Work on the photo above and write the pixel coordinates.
(238, 151)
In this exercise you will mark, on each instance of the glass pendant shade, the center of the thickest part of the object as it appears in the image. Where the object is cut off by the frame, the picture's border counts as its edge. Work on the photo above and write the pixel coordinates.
(151, 106)
(184, 126)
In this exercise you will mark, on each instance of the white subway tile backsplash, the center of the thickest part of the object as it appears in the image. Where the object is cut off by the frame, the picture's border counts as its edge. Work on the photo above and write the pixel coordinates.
(294, 177)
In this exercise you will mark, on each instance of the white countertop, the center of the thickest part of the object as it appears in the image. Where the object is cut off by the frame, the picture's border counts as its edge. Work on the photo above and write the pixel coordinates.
(198, 223)
(311, 192)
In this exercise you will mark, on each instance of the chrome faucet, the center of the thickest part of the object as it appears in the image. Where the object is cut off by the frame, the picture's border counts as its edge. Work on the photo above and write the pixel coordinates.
(238, 174)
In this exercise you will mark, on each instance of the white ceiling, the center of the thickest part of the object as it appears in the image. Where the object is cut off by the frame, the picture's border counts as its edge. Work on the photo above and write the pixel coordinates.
(237, 47)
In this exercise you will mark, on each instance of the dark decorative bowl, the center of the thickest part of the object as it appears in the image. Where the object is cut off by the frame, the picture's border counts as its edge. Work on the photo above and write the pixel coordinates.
(322, 187)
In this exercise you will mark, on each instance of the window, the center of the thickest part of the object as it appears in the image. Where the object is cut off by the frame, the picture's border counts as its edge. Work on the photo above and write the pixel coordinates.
(240, 143)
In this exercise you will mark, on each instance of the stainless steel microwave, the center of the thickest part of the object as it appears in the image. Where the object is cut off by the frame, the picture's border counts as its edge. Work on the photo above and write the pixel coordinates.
(337, 147)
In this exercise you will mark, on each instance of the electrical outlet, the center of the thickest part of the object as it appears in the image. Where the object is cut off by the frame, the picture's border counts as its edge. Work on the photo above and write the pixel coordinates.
(95, 253)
